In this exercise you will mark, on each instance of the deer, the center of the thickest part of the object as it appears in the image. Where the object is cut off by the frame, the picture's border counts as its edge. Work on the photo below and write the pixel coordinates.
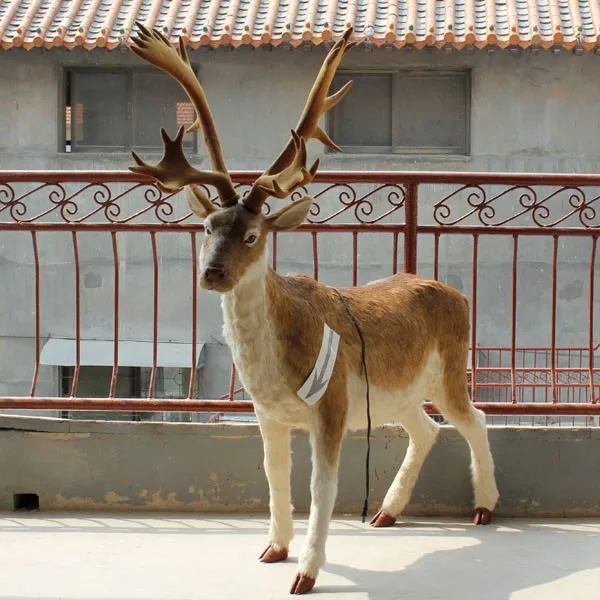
(307, 353)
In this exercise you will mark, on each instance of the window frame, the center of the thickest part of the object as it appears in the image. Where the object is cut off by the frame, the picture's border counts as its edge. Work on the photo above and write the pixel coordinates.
(67, 98)
(334, 124)
(137, 377)
(398, 77)
(65, 381)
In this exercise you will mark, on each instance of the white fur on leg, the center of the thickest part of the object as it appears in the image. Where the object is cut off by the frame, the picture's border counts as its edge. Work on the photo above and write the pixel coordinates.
(323, 488)
(324, 491)
(277, 462)
(482, 463)
(423, 432)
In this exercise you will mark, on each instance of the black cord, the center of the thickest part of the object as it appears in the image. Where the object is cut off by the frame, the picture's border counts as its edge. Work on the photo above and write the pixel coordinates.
(364, 364)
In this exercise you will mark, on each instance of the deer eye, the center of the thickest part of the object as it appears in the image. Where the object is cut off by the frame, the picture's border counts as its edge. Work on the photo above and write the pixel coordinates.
(250, 239)
(207, 231)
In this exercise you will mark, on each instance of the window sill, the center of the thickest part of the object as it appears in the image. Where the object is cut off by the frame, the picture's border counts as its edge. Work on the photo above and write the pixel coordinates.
(397, 156)
(120, 155)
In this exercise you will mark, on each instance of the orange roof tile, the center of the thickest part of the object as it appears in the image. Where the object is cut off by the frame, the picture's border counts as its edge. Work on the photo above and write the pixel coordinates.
(420, 23)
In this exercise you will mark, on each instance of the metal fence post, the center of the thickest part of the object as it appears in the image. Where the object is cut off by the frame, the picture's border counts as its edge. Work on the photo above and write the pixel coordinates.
(410, 234)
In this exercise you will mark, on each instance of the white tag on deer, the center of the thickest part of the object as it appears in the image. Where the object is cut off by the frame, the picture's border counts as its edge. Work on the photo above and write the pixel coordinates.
(316, 383)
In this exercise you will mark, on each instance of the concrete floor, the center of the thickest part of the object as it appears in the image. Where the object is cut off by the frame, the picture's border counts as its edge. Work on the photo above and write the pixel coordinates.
(175, 557)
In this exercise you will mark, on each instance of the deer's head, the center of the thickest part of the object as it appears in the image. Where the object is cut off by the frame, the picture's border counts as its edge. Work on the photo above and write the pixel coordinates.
(236, 229)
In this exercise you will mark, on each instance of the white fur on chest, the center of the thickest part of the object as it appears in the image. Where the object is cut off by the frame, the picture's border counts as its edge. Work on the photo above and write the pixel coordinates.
(252, 345)
(249, 333)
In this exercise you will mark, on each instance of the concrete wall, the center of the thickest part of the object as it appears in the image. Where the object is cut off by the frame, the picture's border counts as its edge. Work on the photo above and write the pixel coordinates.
(529, 113)
(190, 467)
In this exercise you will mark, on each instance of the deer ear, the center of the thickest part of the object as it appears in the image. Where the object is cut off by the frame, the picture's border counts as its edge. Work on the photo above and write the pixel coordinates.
(290, 216)
(199, 202)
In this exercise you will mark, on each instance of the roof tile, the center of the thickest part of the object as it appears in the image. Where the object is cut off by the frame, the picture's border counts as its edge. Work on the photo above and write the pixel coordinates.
(459, 23)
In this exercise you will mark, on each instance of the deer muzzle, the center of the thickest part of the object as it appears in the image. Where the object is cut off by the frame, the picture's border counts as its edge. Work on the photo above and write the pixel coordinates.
(214, 273)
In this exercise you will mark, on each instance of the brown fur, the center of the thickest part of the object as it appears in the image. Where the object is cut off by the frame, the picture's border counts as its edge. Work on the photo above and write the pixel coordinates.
(403, 318)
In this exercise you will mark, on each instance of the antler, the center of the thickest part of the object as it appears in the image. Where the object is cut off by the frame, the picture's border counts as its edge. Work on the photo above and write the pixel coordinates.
(174, 171)
(289, 169)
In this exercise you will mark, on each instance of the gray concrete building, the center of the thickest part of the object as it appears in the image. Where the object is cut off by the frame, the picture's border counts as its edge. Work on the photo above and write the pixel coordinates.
(449, 108)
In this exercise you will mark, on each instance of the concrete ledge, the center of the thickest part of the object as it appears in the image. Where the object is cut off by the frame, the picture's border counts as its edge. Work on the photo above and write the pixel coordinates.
(87, 465)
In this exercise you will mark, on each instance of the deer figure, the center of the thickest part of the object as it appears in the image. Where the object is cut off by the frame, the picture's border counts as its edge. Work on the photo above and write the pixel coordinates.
(415, 331)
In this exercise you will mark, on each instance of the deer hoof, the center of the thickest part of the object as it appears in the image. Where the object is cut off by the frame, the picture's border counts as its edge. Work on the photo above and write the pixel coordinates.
(302, 584)
(483, 516)
(270, 555)
(383, 519)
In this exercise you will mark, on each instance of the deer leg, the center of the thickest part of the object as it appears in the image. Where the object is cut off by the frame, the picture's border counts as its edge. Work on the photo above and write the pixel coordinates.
(277, 463)
(472, 426)
(423, 432)
(455, 405)
(326, 441)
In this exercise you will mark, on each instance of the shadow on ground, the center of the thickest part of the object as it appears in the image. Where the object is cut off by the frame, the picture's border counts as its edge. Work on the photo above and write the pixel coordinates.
(422, 559)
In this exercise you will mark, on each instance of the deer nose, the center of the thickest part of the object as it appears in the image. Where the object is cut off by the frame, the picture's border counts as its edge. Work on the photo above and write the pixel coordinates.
(214, 273)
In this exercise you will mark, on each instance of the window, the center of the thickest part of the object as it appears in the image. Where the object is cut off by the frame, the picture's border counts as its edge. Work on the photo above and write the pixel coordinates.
(403, 112)
(132, 382)
(118, 110)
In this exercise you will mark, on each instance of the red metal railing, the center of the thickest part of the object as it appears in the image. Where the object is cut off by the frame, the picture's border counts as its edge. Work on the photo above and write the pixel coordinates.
(426, 209)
